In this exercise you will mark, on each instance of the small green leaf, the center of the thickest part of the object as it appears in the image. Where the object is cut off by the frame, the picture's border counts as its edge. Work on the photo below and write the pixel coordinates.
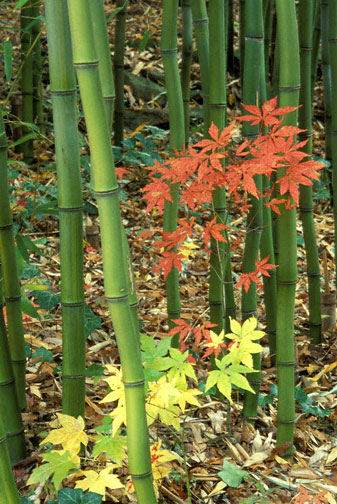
(56, 464)
(76, 496)
(28, 307)
(20, 4)
(144, 41)
(8, 60)
(92, 321)
(232, 475)
(113, 447)
(42, 354)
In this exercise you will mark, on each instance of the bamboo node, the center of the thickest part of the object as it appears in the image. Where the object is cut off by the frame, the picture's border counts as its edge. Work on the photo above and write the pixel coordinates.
(134, 384)
(13, 299)
(17, 433)
(280, 363)
(286, 422)
(73, 377)
(103, 194)
(8, 382)
(169, 51)
(200, 21)
(116, 299)
(86, 64)
(61, 92)
(141, 476)
(6, 227)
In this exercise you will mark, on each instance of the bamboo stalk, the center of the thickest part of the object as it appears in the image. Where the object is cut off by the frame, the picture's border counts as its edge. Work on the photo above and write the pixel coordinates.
(305, 26)
(217, 111)
(104, 57)
(63, 91)
(201, 31)
(12, 421)
(10, 276)
(105, 188)
(333, 65)
(27, 12)
(108, 90)
(119, 70)
(37, 66)
(253, 85)
(168, 46)
(186, 63)
(326, 70)
(287, 270)
(9, 492)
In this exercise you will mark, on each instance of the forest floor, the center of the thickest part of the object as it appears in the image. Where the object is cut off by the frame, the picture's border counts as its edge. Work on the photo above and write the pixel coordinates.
(268, 476)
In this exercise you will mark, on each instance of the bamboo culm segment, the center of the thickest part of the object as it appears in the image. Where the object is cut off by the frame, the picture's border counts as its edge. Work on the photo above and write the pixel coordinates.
(104, 58)
(27, 12)
(287, 238)
(186, 63)
(119, 70)
(108, 90)
(333, 64)
(168, 46)
(253, 80)
(11, 420)
(217, 114)
(105, 187)
(63, 90)
(12, 291)
(9, 492)
(305, 26)
(201, 31)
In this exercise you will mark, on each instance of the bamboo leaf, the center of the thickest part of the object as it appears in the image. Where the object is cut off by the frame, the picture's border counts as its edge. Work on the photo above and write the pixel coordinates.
(144, 41)
(8, 60)
(20, 4)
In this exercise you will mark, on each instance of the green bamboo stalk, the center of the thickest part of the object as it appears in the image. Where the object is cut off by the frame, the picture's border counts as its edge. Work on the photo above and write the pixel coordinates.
(118, 63)
(326, 70)
(316, 39)
(269, 283)
(108, 90)
(287, 270)
(186, 63)
(267, 19)
(27, 12)
(63, 91)
(253, 80)
(104, 58)
(9, 492)
(37, 64)
(242, 19)
(201, 31)
(168, 46)
(217, 111)
(12, 421)
(230, 38)
(305, 26)
(105, 188)
(10, 275)
(333, 63)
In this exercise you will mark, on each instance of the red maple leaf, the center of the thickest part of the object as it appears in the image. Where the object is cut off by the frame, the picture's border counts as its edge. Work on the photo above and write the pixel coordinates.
(170, 259)
(157, 193)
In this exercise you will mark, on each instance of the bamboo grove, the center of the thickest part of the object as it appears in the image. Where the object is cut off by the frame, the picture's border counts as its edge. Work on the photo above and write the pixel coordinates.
(279, 52)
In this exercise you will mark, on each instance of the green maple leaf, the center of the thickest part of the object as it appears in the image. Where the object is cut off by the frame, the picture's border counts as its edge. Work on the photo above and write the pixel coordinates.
(57, 464)
(152, 351)
(113, 447)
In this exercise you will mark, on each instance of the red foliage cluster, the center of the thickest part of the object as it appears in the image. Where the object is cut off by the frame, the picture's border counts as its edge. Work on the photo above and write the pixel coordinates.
(198, 171)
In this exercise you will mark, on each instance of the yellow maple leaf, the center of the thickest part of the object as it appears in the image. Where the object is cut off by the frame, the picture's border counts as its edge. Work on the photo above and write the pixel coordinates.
(98, 481)
(188, 396)
(71, 435)
(187, 249)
